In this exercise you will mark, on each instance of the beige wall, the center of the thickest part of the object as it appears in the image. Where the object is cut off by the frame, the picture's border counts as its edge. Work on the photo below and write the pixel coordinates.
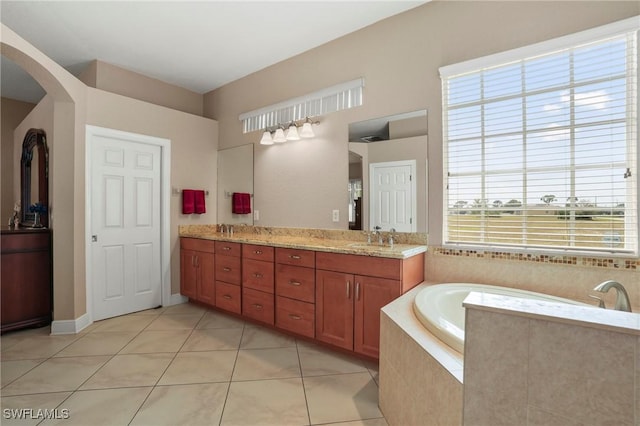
(12, 113)
(194, 153)
(299, 183)
(111, 78)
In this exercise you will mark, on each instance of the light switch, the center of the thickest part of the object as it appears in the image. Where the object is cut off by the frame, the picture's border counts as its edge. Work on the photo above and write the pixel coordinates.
(256, 215)
(336, 215)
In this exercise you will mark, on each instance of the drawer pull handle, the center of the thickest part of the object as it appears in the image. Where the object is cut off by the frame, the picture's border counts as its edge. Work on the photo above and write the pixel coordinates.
(295, 317)
(295, 257)
(357, 290)
(257, 306)
(226, 296)
(257, 251)
(295, 283)
(348, 289)
(226, 248)
(257, 275)
(226, 269)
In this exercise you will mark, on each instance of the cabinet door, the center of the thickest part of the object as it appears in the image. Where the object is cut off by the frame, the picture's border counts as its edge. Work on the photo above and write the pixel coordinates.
(206, 279)
(188, 273)
(334, 308)
(371, 294)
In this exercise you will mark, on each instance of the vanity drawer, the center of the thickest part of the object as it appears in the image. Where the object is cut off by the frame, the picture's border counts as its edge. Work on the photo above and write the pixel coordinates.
(228, 297)
(228, 269)
(295, 316)
(369, 266)
(296, 282)
(197, 244)
(228, 249)
(257, 275)
(251, 251)
(296, 257)
(257, 305)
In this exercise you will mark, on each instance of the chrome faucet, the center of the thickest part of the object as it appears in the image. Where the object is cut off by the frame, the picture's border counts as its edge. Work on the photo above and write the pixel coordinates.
(391, 233)
(622, 297)
(376, 231)
(222, 228)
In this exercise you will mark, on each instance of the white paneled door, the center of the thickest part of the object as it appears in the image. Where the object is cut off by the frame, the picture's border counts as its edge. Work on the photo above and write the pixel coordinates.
(393, 194)
(125, 225)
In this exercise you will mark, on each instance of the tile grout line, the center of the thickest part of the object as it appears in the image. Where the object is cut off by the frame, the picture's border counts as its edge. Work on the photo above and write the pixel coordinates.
(304, 389)
(233, 369)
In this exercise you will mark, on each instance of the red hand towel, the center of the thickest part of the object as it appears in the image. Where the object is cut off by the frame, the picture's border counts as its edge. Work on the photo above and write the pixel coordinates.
(188, 201)
(199, 202)
(241, 203)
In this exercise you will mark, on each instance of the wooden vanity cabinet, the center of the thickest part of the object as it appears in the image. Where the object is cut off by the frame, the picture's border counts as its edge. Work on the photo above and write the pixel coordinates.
(228, 273)
(258, 283)
(25, 279)
(351, 290)
(197, 276)
(295, 291)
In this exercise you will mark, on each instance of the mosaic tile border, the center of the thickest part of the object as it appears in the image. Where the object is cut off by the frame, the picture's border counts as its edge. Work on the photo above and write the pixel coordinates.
(597, 262)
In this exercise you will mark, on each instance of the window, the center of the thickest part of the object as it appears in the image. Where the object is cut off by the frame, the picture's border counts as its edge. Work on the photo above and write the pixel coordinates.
(540, 145)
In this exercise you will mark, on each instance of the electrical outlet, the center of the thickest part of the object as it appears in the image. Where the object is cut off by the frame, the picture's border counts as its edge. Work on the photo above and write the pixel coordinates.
(336, 215)
(256, 215)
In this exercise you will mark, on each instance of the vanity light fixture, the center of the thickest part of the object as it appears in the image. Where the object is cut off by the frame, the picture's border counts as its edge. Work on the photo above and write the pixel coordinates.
(278, 134)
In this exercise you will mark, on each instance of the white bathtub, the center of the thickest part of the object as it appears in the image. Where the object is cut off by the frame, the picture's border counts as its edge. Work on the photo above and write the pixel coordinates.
(439, 307)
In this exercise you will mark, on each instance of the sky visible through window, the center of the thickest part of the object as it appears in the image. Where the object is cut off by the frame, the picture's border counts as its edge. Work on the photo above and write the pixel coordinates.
(554, 125)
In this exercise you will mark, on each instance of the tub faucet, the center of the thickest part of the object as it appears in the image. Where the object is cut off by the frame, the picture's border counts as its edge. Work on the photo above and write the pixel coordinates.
(622, 297)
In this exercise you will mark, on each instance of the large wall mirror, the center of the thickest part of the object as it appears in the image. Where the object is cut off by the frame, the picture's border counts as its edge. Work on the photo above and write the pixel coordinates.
(388, 173)
(235, 175)
(34, 180)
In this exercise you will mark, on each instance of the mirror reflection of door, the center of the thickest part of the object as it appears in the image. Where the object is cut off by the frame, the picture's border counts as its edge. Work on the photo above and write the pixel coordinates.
(355, 191)
(393, 195)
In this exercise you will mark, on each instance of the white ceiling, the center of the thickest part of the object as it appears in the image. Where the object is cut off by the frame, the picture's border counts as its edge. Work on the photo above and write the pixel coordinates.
(198, 45)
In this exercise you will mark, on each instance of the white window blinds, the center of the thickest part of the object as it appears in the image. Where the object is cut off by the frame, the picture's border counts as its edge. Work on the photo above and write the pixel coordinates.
(331, 99)
(541, 145)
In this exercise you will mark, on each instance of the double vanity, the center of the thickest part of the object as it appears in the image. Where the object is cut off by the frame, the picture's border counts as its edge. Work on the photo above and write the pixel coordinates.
(323, 285)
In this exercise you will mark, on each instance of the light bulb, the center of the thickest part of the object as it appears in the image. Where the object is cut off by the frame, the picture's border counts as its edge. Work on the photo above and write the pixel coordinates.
(307, 131)
(292, 133)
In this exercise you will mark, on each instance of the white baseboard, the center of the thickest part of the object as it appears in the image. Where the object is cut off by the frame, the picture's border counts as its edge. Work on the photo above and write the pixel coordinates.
(71, 326)
(177, 298)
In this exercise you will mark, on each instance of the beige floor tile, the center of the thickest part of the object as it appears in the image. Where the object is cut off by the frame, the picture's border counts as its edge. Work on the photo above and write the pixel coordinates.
(369, 422)
(98, 344)
(56, 375)
(37, 347)
(156, 341)
(213, 339)
(11, 370)
(124, 323)
(9, 339)
(184, 308)
(256, 364)
(131, 370)
(256, 337)
(35, 402)
(102, 407)
(200, 367)
(266, 402)
(175, 322)
(214, 319)
(318, 361)
(374, 370)
(199, 404)
(341, 398)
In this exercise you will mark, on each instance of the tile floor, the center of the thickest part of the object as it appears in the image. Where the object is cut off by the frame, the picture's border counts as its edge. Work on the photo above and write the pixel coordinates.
(183, 365)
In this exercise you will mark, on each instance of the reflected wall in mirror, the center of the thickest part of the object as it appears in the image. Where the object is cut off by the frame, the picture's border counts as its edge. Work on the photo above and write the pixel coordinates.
(235, 176)
(34, 180)
(388, 173)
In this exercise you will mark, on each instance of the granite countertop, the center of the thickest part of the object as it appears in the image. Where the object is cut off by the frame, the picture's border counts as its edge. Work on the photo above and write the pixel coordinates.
(398, 251)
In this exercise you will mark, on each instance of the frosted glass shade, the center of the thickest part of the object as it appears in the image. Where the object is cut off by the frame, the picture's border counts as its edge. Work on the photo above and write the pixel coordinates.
(292, 133)
(307, 131)
(266, 138)
(279, 137)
